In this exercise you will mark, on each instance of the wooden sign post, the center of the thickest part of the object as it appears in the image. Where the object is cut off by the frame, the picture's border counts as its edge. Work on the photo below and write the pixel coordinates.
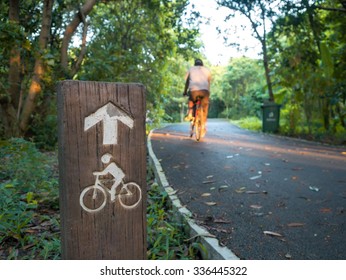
(102, 167)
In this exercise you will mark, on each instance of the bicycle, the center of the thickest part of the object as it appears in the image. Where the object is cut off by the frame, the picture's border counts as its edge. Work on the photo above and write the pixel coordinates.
(127, 195)
(196, 124)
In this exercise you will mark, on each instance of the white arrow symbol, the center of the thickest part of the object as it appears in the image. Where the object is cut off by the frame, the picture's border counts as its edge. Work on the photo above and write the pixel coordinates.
(109, 115)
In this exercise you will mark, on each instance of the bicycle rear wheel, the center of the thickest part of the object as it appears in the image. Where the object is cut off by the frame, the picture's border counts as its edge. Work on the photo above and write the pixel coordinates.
(198, 123)
(193, 121)
(198, 130)
(130, 195)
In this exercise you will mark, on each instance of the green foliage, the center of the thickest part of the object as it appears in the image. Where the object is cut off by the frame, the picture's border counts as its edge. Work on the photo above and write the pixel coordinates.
(216, 107)
(167, 239)
(27, 167)
(154, 42)
(243, 88)
(147, 47)
(308, 52)
(44, 128)
(128, 41)
(327, 61)
(28, 186)
(16, 212)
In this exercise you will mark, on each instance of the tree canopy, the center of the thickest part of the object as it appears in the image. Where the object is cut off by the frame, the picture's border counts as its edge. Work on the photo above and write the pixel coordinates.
(119, 41)
(303, 49)
(153, 42)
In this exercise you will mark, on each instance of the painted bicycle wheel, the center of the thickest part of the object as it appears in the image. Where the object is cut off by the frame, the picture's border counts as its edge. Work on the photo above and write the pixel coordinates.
(130, 195)
(93, 198)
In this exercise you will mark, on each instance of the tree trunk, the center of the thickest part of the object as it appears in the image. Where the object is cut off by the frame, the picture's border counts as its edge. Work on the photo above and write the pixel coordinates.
(317, 38)
(326, 113)
(263, 39)
(35, 86)
(69, 31)
(312, 22)
(10, 103)
(14, 68)
(341, 115)
(267, 71)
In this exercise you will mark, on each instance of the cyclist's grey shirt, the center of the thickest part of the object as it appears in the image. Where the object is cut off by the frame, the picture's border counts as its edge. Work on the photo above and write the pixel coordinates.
(199, 78)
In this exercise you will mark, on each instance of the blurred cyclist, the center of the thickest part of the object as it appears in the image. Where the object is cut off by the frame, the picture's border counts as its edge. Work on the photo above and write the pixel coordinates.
(197, 83)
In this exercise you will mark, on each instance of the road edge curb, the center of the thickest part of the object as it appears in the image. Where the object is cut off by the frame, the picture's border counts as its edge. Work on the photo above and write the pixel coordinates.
(216, 252)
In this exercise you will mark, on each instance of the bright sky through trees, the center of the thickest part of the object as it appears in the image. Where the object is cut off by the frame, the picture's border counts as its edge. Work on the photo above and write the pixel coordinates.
(216, 50)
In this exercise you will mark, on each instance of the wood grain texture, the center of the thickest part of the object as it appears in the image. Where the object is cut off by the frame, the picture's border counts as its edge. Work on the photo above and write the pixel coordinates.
(113, 232)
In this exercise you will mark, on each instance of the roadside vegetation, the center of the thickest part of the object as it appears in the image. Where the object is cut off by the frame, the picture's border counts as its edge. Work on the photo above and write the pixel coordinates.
(167, 233)
(29, 205)
(29, 209)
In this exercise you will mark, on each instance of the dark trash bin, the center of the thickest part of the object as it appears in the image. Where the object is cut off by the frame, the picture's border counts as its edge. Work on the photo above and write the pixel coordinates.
(270, 117)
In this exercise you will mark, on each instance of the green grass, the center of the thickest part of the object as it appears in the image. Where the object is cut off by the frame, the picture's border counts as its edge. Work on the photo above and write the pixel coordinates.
(317, 132)
(251, 123)
(167, 237)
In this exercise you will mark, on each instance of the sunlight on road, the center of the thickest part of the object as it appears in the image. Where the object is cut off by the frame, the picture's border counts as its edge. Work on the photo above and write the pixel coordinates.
(315, 153)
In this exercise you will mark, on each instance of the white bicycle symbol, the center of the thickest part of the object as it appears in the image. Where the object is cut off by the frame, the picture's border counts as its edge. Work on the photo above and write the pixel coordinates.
(129, 196)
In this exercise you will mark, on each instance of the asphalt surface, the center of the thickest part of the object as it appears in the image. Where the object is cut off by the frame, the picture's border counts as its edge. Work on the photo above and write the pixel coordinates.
(263, 196)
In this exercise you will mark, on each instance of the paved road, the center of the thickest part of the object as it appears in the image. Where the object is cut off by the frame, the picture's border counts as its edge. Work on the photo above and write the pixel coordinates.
(264, 196)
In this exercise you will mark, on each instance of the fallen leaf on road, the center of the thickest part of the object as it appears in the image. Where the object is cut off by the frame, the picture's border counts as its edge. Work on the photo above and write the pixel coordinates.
(314, 189)
(210, 203)
(221, 221)
(325, 210)
(295, 224)
(240, 190)
(205, 194)
(223, 187)
(208, 182)
(255, 206)
(272, 233)
(256, 192)
(288, 256)
(255, 177)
